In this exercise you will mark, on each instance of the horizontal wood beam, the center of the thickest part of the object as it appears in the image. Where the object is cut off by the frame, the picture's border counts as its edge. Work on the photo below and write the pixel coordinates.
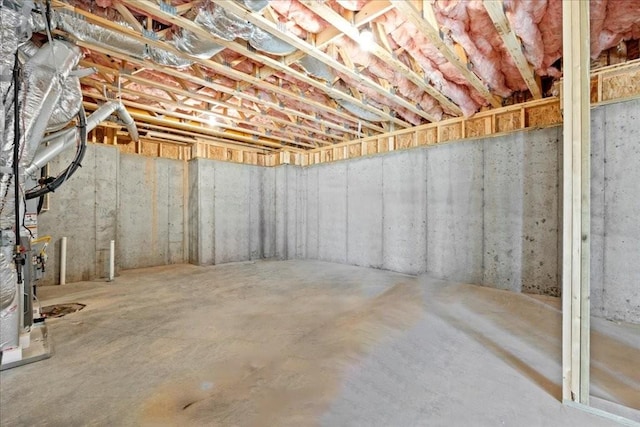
(146, 118)
(201, 120)
(368, 13)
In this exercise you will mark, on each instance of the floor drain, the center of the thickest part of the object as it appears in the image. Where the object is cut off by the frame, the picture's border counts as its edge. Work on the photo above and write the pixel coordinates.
(59, 310)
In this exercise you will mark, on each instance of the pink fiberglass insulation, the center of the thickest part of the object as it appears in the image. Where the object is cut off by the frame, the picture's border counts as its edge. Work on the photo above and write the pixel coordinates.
(301, 104)
(524, 17)
(597, 15)
(452, 84)
(296, 86)
(469, 24)
(621, 22)
(293, 10)
(380, 69)
(551, 33)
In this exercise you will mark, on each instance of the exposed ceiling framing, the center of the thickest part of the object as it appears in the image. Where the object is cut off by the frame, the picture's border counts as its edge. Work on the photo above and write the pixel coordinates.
(322, 87)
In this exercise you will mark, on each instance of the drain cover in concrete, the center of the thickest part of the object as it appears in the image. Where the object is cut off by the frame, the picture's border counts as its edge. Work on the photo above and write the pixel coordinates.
(60, 310)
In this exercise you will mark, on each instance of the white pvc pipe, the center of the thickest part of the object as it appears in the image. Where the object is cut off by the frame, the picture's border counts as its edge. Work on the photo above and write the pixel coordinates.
(63, 261)
(112, 260)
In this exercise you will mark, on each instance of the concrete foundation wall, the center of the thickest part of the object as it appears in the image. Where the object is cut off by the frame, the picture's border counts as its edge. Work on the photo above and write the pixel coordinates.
(484, 211)
(134, 200)
(151, 212)
(232, 212)
(615, 207)
(455, 211)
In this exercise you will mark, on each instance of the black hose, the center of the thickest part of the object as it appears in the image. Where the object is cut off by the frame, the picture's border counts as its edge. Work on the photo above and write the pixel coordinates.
(18, 259)
(73, 166)
(43, 176)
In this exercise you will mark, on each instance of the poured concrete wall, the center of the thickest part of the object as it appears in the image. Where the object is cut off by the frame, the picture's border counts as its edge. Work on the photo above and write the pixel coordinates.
(521, 235)
(615, 211)
(134, 200)
(455, 211)
(484, 211)
(151, 212)
(84, 210)
(232, 212)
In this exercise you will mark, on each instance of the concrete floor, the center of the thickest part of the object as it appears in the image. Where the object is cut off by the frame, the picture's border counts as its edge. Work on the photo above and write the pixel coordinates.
(298, 343)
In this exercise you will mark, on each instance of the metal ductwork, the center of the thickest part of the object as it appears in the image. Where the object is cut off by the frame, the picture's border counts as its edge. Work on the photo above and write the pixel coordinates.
(195, 45)
(40, 92)
(316, 68)
(68, 105)
(358, 111)
(266, 42)
(60, 141)
(76, 25)
(229, 27)
(254, 5)
(215, 20)
(15, 30)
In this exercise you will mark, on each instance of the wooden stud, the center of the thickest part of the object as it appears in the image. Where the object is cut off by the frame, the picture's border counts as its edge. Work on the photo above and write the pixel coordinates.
(204, 98)
(575, 203)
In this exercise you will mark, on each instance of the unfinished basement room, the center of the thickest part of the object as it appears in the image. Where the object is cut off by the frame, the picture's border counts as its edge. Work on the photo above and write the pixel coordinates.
(320, 213)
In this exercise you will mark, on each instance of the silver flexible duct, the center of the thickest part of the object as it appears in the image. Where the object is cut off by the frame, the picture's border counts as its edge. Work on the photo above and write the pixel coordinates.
(14, 31)
(76, 25)
(169, 59)
(223, 24)
(228, 26)
(67, 138)
(45, 74)
(358, 111)
(195, 45)
(126, 119)
(254, 5)
(68, 105)
(27, 50)
(216, 20)
(317, 68)
(266, 42)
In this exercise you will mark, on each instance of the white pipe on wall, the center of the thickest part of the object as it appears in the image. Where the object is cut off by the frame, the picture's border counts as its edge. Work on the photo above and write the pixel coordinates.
(63, 261)
(112, 260)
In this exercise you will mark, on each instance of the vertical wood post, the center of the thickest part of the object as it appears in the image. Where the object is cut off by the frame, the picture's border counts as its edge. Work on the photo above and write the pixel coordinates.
(576, 202)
